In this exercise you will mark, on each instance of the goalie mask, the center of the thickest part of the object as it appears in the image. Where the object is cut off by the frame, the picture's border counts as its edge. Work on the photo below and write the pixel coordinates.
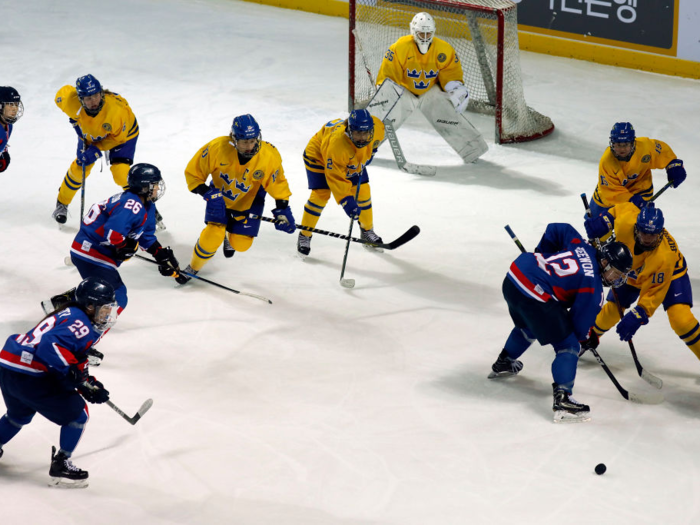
(423, 30)
(360, 128)
(622, 141)
(246, 136)
(11, 107)
(90, 94)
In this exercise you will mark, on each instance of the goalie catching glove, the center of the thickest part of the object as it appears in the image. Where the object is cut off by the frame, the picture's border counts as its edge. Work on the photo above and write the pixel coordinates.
(458, 95)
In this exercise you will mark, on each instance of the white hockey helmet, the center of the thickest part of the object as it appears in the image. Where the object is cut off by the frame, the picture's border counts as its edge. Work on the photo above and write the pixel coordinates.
(423, 30)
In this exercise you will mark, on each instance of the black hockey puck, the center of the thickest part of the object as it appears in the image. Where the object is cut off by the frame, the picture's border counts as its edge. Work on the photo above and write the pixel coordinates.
(600, 468)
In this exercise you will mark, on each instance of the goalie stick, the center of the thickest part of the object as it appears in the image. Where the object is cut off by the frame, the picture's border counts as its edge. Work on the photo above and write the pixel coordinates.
(408, 235)
(640, 398)
(647, 376)
(408, 167)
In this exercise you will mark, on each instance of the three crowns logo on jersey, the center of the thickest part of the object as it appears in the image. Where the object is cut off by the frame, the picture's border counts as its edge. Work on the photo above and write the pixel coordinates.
(416, 74)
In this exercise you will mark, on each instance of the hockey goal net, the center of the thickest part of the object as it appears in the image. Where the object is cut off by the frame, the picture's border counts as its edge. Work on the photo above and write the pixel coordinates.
(484, 33)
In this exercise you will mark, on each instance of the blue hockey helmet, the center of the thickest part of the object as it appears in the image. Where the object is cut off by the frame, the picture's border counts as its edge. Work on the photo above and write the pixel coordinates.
(617, 256)
(87, 86)
(649, 227)
(96, 298)
(9, 97)
(245, 127)
(143, 179)
(622, 133)
(361, 121)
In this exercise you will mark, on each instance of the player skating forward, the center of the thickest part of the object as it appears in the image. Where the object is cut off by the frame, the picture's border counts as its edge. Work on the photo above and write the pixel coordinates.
(624, 172)
(336, 160)
(243, 170)
(112, 231)
(104, 122)
(422, 71)
(46, 371)
(659, 277)
(11, 109)
(553, 297)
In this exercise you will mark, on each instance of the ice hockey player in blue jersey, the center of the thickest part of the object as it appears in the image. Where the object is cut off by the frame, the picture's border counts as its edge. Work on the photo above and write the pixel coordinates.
(46, 371)
(554, 296)
(113, 229)
(11, 109)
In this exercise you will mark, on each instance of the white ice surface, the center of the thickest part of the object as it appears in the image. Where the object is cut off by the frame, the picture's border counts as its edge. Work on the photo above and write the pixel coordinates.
(335, 406)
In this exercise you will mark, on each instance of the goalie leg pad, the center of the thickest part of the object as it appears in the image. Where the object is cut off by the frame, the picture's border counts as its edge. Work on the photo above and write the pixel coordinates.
(455, 128)
(392, 102)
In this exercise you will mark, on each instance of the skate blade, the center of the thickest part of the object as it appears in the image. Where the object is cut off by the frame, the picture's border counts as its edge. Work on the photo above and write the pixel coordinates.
(160, 226)
(47, 306)
(64, 483)
(301, 256)
(562, 416)
(495, 375)
(371, 248)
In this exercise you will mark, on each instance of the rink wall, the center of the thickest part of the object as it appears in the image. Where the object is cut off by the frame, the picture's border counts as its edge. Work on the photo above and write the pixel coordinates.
(662, 38)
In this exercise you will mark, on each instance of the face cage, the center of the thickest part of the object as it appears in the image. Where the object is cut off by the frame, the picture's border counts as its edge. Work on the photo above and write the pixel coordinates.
(357, 143)
(105, 316)
(646, 247)
(94, 112)
(160, 190)
(251, 154)
(20, 112)
(617, 282)
(628, 157)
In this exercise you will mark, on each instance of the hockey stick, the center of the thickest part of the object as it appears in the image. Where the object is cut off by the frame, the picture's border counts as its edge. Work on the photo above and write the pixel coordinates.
(408, 235)
(349, 283)
(641, 398)
(82, 187)
(658, 193)
(139, 414)
(408, 167)
(193, 276)
(650, 378)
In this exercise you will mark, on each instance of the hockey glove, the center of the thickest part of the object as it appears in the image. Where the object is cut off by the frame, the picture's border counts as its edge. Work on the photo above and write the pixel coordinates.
(458, 95)
(599, 226)
(89, 156)
(284, 220)
(639, 201)
(350, 207)
(589, 344)
(93, 391)
(94, 357)
(675, 172)
(126, 250)
(4, 160)
(77, 374)
(216, 210)
(212, 193)
(167, 263)
(631, 322)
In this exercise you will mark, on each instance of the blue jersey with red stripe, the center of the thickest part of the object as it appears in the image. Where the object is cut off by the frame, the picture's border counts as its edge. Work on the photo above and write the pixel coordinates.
(5, 136)
(563, 268)
(52, 346)
(108, 224)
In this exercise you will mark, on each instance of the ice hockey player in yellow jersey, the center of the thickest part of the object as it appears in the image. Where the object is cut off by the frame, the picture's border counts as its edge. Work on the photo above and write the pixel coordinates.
(421, 71)
(336, 160)
(104, 122)
(659, 275)
(243, 170)
(624, 172)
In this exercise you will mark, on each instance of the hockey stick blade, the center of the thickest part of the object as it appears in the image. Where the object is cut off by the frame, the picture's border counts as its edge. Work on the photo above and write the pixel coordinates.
(145, 407)
(347, 283)
(418, 169)
(650, 378)
(410, 234)
(654, 398)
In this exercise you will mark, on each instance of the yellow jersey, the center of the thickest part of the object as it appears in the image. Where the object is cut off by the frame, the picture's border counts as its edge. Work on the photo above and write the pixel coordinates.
(618, 181)
(113, 125)
(652, 271)
(332, 152)
(405, 65)
(239, 183)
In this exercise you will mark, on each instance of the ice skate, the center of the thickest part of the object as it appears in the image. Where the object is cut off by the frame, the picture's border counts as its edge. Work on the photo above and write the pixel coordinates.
(567, 409)
(505, 366)
(60, 214)
(57, 301)
(64, 474)
(303, 245)
(184, 279)
(160, 225)
(228, 249)
(372, 238)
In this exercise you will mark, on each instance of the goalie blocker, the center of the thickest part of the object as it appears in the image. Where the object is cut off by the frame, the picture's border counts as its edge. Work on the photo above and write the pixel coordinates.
(394, 103)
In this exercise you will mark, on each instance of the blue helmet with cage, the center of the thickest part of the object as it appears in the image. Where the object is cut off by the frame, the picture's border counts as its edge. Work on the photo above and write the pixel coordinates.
(143, 178)
(246, 128)
(87, 86)
(650, 222)
(10, 96)
(617, 256)
(623, 133)
(360, 120)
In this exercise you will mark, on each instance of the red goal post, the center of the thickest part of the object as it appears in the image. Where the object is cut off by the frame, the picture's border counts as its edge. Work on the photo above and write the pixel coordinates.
(484, 33)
